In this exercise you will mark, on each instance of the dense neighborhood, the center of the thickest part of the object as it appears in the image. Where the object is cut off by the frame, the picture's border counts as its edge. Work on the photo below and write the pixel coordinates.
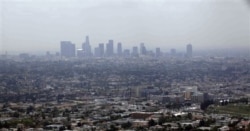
(133, 93)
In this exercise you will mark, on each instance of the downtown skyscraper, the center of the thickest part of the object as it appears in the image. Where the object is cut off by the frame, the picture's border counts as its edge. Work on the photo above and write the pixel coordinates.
(101, 49)
(143, 50)
(86, 48)
(110, 48)
(68, 49)
(189, 50)
(158, 52)
(135, 52)
(119, 49)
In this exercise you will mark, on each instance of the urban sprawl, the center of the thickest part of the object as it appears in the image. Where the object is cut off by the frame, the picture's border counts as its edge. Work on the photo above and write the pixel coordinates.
(131, 91)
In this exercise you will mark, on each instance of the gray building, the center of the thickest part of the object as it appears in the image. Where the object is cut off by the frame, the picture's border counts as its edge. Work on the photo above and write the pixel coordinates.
(135, 52)
(157, 52)
(97, 52)
(189, 50)
(68, 49)
(143, 50)
(86, 47)
(101, 49)
(173, 52)
(110, 48)
(119, 49)
(126, 53)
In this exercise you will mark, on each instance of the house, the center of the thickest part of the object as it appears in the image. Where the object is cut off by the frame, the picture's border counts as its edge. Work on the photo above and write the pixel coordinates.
(224, 128)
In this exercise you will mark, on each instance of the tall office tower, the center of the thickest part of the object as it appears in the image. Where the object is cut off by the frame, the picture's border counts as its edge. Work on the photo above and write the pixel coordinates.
(97, 52)
(143, 50)
(68, 49)
(126, 53)
(110, 48)
(135, 51)
(173, 52)
(48, 54)
(79, 53)
(107, 52)
(157, 52)
(119, 49)
(101, 48)
(189, 50)
(86, 47)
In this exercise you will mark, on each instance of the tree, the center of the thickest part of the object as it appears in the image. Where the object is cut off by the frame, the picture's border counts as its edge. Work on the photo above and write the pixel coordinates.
(29, 109)
(188, 127)
(179, 127)
(79, 124)
(202, 122)
(5, 105)
(140, 128)
(215, 128)
(55, 112)
(151, 122)
(189, 116)
(28, 122)
(169, 126)
(205, 104)
(113, 128)
(16, 114)
(6, 125)
(62, 128)
(161, 120)
(69, 127)
(248, 127)
(126, 125)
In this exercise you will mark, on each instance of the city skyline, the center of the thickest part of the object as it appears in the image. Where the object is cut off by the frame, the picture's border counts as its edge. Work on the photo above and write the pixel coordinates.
(87, 49)
(68, 49)
(35, 26)
(111, 48)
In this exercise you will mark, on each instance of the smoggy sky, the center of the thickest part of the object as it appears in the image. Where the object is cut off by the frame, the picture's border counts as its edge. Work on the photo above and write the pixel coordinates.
(40, 25)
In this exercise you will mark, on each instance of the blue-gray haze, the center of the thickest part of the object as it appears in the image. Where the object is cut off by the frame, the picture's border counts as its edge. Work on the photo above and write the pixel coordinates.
(40, 25)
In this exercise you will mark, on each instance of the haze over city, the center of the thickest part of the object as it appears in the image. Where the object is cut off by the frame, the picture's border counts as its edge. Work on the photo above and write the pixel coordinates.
(124, 65)
(40, 25)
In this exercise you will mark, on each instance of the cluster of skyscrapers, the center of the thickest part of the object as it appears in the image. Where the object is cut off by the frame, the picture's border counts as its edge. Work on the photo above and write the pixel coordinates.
(68, 49)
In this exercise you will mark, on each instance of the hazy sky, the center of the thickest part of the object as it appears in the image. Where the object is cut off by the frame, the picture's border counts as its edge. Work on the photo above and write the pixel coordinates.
(40, 25)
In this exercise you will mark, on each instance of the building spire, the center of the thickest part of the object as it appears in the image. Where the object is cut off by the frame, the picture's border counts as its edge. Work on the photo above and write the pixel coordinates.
(87, 40)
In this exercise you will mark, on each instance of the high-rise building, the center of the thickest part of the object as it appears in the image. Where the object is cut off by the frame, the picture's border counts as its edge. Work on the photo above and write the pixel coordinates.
(157, 52)
(86, 47)
(107, 52)
(173, 52)
(143, 50)
(119, 49)
(68, 49)
(126, 53)
(97, 52)
(48, 54)
(110, 48)
(101, 49)
(189, 50)
(135, 51)
(79, 53)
